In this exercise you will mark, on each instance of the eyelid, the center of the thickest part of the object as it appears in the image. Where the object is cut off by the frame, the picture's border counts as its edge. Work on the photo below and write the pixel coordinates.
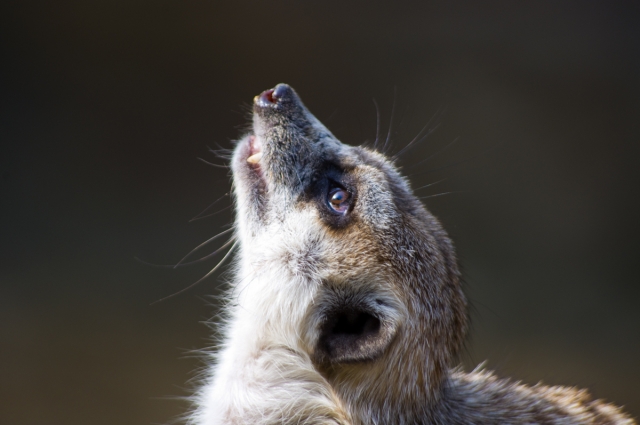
(335, 184)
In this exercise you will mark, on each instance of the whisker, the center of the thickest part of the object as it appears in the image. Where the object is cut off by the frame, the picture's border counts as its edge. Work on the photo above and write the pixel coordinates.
(419, 137)
(416, 141)
(375, 143)
(224, 232)
(188, 263)
(210, 215)
(198, 216)
(393, 110)
(438, 152)
(333, 114)
(222, 153)
(212, 164)
(431, 184)
(441, 194)
(403, 116)
(213, 254)
(202, 278)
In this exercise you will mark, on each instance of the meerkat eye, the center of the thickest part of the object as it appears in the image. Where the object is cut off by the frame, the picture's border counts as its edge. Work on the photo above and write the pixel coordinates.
(338, 200)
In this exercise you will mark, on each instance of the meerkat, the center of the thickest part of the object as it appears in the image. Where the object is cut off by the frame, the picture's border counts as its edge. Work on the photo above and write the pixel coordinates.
(347, 307)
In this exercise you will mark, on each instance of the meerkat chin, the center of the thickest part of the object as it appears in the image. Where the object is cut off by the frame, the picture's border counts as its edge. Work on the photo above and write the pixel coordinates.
(347, 307)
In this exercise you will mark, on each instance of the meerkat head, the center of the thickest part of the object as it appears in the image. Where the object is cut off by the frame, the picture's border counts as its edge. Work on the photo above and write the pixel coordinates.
(359, 275)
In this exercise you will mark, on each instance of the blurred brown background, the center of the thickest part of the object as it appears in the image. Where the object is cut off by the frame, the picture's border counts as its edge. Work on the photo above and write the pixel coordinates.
(106, 106)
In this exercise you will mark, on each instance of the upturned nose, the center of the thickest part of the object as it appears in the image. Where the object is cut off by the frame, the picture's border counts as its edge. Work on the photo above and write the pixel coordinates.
(272, 97)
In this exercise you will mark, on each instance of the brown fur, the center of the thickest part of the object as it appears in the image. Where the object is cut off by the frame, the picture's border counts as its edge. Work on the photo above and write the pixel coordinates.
(356, 316)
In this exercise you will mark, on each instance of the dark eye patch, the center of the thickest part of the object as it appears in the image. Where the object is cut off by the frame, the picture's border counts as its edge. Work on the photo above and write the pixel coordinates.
(332, 190)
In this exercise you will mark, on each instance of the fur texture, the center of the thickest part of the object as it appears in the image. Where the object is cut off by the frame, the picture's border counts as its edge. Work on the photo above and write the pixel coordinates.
(347, 306)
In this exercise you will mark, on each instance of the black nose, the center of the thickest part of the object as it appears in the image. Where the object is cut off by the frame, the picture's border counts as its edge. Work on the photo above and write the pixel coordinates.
(272, 97)
(281, 91)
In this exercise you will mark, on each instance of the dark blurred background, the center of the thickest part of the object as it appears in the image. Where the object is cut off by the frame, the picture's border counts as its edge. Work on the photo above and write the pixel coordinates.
(106, 106)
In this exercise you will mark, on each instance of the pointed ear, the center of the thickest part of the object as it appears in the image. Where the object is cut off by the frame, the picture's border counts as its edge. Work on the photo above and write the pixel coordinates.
(355, 328)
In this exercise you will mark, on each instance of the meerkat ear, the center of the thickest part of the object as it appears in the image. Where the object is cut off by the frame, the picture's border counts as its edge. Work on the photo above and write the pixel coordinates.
(355, 332)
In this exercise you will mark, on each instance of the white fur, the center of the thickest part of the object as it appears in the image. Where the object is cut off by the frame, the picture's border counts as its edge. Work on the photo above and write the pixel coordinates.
(263, 373)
